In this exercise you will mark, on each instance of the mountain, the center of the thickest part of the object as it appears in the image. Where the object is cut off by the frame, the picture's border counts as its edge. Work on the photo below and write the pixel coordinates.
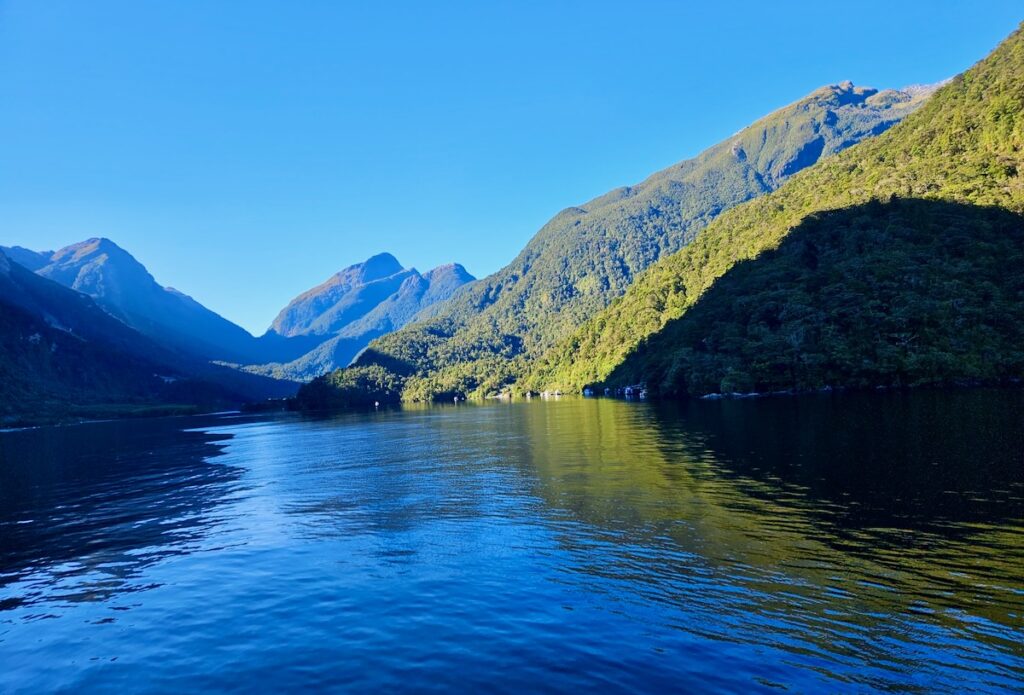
(356, 305)
(64, 356)
(897, 262)
(346, 296)
(485, 337)
(70, 312)
(33, 260)
(121, 285)
(320, 330)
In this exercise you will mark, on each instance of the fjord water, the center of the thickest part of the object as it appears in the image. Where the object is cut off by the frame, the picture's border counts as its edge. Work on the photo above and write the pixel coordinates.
(824, 543)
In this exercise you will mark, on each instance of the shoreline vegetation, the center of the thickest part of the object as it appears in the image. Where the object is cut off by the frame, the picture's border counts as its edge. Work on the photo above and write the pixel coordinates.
(305, 402)
(491, 334)
(108, 412)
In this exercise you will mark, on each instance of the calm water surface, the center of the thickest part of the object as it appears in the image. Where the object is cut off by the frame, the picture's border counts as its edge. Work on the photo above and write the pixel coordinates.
(820, 544)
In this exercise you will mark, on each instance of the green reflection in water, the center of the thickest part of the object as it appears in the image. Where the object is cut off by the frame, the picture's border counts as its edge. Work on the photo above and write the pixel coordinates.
(874, 516)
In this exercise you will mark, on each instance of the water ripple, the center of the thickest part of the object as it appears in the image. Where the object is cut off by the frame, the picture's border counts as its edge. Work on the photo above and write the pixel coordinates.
(547, 546)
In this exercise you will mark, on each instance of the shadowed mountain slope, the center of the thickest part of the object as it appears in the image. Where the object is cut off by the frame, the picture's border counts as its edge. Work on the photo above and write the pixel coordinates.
(64, 356)
(962, 151)
(33, 260)
(320, 330)
(904, 293)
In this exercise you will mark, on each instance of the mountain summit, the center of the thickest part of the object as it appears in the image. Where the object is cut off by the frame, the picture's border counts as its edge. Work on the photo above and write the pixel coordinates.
(356, 305)
(319, 330)
(345, 296)
(62, 355)
(120, 284)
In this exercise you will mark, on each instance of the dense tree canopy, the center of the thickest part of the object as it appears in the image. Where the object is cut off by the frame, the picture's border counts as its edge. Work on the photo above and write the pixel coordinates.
(964, 147)
(902, 293)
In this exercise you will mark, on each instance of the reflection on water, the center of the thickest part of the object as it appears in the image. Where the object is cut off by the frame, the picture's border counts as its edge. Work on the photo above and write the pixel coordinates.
(815, 543)
(858, 528)
(95, 505)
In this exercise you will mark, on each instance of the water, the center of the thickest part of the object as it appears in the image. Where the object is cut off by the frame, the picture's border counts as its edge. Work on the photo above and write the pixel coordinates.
(818, 544)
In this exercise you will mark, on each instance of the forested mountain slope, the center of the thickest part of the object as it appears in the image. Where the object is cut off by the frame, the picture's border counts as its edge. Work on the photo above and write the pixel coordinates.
(588, 255)
(895, 262)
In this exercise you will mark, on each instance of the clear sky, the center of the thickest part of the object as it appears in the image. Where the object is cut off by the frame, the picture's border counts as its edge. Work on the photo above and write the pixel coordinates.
(246, 150)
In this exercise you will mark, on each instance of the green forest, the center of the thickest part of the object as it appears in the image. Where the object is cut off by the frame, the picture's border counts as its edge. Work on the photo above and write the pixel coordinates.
(486, 337)
(904, 293)
(863, 249)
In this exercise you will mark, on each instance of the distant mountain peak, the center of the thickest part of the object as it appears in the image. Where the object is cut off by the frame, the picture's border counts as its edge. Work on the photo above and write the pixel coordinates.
(357, 304)
(123, 287)
(839, 94)
(380, 265)
(96, 246)
(846, 93)
(102, 269)
(382, 257)
(456, 270)
(96, 243)
(938, 197)
(375, 267)
(848, 87)
(587, 255)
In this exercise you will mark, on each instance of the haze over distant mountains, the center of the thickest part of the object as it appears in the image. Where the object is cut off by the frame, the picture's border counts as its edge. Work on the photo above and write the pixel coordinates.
(820, 243)
(63, 355)
(123, 286)
(479, 330)
(356, 305)
(318, 331)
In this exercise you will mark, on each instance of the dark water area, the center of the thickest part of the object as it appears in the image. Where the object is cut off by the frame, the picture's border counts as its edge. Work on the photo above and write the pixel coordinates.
(835, 543)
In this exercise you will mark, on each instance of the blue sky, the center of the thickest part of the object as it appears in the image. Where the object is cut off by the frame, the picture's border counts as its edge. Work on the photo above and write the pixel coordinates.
(244, 151)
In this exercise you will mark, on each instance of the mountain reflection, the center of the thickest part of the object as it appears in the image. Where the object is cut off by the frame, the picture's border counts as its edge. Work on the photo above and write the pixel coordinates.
(932, 460)
(827, 542)
(84, 510)
(398, 470)
(766, 513)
